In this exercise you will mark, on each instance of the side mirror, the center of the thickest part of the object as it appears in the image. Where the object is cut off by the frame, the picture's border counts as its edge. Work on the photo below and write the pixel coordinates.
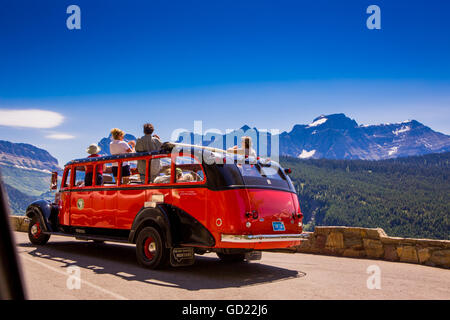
(54, 183)
(288, 171)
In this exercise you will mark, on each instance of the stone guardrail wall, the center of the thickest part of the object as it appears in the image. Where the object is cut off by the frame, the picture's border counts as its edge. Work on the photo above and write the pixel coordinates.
(19, 223)
(355, 242)
(373, 243)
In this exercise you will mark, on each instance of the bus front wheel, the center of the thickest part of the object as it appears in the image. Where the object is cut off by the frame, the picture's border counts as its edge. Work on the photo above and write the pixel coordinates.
(35, 232)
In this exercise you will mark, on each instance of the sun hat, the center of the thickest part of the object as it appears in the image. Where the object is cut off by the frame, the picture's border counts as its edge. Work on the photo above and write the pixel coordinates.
(93, 149)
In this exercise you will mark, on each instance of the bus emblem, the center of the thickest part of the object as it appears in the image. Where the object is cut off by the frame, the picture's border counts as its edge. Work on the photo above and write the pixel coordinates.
(80, 204)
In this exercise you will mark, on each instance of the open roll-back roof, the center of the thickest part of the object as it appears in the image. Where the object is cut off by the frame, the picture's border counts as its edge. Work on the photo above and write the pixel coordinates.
(115, 157)
(179, 147)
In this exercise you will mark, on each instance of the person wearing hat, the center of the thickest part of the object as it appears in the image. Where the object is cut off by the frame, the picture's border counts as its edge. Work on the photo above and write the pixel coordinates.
(93, 151)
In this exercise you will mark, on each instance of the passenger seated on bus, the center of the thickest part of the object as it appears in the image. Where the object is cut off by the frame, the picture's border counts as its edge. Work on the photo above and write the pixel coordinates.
(118, 146)
(246, 148)
(79, 184)
(185, 177)
(93, 151)
(163, 179)
(166, 178)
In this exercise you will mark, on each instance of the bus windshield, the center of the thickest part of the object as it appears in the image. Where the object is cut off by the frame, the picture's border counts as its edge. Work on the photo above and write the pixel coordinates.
(263, 175)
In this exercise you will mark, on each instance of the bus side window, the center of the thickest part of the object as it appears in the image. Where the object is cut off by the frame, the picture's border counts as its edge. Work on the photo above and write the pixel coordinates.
(154, 169)
(108, 178)
(79, 177)
(135, 177)
(188, 170)
(98, 174)
(66, 181)
(163, 172)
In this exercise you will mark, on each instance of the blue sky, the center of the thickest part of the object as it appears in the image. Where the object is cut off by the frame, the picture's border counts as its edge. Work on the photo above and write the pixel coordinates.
(269, 64)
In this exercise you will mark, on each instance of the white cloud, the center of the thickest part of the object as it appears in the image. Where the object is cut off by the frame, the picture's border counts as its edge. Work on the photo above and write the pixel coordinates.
(60, 136)
(30, 118)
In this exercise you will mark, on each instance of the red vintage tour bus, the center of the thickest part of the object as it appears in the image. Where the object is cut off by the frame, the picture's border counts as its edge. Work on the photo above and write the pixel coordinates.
(188, 203)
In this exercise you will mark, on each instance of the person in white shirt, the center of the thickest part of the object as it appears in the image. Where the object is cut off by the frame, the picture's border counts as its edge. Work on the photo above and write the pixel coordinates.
(118, 146)
(246, 149)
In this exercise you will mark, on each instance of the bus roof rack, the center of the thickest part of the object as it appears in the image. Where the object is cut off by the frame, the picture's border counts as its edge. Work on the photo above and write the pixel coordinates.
(167, 147)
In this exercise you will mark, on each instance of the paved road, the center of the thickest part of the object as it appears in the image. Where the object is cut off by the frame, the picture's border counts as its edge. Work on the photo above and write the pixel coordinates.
(110, 271)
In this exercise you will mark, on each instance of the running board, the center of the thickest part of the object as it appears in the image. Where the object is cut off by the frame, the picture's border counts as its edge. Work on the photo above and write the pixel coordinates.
(89, 237)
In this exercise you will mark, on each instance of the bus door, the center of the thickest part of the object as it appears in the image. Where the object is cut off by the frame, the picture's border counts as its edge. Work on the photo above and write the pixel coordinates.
(89, 203)
(159, 177)
(80, 204)
(64, 201)
(104, 197)
(131, 195)
(189, 192)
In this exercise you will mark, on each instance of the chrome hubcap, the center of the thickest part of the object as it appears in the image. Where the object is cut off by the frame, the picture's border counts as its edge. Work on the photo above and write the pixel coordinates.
(34, 230)
(152, 247)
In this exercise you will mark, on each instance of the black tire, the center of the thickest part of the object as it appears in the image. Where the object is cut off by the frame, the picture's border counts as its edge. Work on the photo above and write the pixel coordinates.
(151, 251)
(236, 257)
(35, 233)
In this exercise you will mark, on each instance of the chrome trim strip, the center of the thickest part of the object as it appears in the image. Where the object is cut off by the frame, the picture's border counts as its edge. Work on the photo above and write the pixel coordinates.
(249, 238)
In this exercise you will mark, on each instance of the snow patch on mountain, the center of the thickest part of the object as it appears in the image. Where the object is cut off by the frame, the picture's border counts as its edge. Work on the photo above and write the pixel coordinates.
(31, 169)
(317, 122)
(392, 151)
(401, 130)
(306, 154)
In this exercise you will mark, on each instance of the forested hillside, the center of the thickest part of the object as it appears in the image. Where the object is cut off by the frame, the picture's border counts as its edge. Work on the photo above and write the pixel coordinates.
(408, 197)
(18, 201)
(24, 186)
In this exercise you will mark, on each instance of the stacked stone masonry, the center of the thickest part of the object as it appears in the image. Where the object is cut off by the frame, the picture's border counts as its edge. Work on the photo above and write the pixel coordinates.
(375, 244)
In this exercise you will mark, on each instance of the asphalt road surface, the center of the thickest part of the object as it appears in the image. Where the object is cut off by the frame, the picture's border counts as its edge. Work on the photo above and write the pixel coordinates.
(110, 271)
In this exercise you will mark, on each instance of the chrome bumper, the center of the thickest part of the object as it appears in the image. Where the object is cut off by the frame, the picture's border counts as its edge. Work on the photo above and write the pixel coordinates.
(251, 238)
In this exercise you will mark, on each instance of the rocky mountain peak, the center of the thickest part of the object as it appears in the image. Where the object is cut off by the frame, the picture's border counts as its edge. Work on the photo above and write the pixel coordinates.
(26, 156)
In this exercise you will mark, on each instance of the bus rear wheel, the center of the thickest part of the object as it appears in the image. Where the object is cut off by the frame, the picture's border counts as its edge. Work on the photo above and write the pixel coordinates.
(151, 251)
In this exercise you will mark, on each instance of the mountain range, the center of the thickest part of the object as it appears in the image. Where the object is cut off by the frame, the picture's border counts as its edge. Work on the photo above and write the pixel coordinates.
(339, 137)
(25, 172)
(336, 136)
(26, 156)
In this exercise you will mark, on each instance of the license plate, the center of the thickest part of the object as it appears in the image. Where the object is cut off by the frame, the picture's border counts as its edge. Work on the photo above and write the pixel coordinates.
(182, 257)
(278, 226)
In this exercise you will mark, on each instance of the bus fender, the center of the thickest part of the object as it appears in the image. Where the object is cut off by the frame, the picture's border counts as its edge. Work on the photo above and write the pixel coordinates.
(43, 210)
(151, 216)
